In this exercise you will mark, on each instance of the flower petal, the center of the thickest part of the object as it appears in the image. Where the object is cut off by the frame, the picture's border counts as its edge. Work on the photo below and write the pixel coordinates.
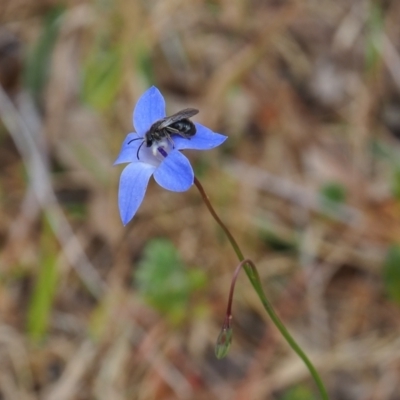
(204, 139)
(129, 149)
(175, 173)
(149, 109)
(132, 187)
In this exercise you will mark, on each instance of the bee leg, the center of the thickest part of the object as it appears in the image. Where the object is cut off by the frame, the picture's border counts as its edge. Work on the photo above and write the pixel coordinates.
(169, 138)
(184, 135)
(173, 131)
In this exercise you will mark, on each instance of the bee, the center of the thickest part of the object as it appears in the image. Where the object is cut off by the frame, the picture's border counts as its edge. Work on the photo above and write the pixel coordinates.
(176, 124)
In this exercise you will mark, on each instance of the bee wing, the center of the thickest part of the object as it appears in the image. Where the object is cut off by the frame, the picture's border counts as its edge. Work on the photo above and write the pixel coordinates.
(186, 113)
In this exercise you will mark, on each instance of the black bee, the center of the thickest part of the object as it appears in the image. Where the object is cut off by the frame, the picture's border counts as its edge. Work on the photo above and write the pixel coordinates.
(176, 124)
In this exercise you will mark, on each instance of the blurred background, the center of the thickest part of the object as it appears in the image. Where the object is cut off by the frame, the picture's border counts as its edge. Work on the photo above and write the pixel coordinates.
(308, 182)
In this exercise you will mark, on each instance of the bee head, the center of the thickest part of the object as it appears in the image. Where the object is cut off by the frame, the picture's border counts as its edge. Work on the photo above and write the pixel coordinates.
(149, 141)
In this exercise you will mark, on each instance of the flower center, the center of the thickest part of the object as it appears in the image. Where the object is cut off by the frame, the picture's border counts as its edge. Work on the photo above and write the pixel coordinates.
(161, 147)
(162, 151)
(156, 153)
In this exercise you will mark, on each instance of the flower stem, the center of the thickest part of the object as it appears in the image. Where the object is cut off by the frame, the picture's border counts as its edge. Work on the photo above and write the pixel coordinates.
(254, 278)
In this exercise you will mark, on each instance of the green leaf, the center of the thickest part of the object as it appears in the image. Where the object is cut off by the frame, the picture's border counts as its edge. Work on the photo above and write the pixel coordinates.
(334, 192)
(331, 196)
(102, 77)
(143, 62)
(164, 281)
(38, 62)
(277, 242)
(381, 150)
(300, 392)
(391, 273)
(41, 302)
(396, 183)
(375, 25)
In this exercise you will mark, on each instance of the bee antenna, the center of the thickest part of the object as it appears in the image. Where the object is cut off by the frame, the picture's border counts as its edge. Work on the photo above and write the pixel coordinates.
(137, 153)
(139, 138)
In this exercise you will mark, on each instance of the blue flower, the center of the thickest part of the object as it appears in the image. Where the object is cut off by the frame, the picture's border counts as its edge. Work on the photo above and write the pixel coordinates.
(170, 168)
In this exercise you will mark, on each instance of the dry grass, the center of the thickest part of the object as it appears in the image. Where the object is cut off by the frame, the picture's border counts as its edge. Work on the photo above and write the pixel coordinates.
(307, 93)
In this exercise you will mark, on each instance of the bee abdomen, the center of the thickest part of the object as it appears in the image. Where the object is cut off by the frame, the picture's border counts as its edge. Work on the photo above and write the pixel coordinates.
(185, 127)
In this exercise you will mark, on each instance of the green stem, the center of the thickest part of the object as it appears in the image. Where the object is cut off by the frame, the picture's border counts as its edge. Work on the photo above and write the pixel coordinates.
(254, 278)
